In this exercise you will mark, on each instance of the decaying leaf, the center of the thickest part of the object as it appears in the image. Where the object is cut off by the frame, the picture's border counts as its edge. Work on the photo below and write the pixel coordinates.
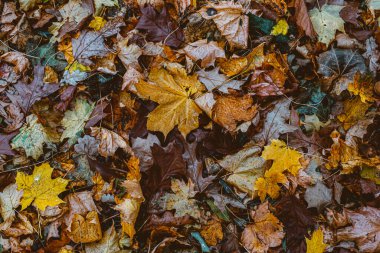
(354, 110)
(85, 229)
(265, 232)
(230, 20)
(182, 200)
(246, 167)
(109, 141)
(214, 80)
(32, 137)
(229, 110)
(39, 189)
(108, 243)
(212, 232)
(205, 51)
(326, 21)
(9, 201)
(75, 120)
(174, 91)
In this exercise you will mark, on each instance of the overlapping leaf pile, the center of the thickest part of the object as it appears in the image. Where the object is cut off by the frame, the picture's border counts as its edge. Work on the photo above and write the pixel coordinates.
(189, 126)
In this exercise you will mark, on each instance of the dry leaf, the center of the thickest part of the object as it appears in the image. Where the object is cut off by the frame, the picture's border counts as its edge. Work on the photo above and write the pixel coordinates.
(85, 229)
(354, 110)
(108, 244)
(205, 51)
(265, 232)
(174, 91)
(39, 189)
(212, 232)
(9, 201)
(316, 244)
(229, 110)
(230, 20)
(109, 141)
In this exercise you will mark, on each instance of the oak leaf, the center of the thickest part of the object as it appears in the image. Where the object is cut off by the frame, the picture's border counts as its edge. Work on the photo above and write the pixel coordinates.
(265, 232)
(315, 244)
(174, 91)
(39, 189)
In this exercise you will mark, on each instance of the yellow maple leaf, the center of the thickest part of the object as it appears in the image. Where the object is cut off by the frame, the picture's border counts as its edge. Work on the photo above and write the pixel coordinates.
(280, 28)
(316, 244)
(174, 91)
(362, 86)
(284, 158)
(39, 188)
(354, 110)
(268, 185)
(97, 23)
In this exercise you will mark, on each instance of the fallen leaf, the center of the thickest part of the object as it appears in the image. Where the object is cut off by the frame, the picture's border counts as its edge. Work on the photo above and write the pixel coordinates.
(339, 66)
(373, 54)
(354, 110)
(99, 4)
(109, 141)
(160, 27)
(318, 195)
(108, 243)
(32, 138)
(89, 44)
(85, 229)
(326, 21)
(243, 65)
(315, 244)
(303, 19)
(128, 54)
(230, 20)
(364, 230)
(363, 87)
(182, 200)
(5, 148)
(312, 122)
(275, 122)
(229, 110)
(142, 149)
(212, 232)
(39, 189)
(97, 23)
(246, 167)
(265, 232)
(283, 157)
(9, 201)
(80, 203)
(75, 120)
(205, 51)
(174, 91)
(214, 80)
(268, 185)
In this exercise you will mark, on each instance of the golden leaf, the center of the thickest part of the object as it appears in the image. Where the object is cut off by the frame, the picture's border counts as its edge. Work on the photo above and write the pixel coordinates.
(268, 185)
(97, 23)
(242, 65)
(212, 232)
(316, 244)
(86, 229)
(281, 28)
(354, 110)
(174, 91)
(284, 158)
(39, 188)
(265, 232)
(362, 87)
